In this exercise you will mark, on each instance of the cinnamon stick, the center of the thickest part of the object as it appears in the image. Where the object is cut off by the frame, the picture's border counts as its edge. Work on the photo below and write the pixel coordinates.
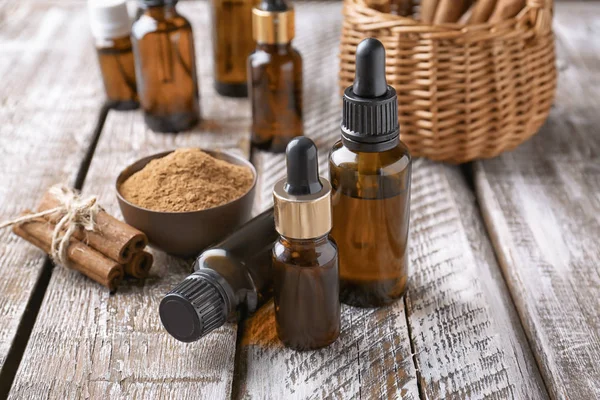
(379, 5)
(113, 238)
(428, 8)
(450, 10)
(481, 11)
(84, 259)
(506, 9)
(402, 7)
(140, 264)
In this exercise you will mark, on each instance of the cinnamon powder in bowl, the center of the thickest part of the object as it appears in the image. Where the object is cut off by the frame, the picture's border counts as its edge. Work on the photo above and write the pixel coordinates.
(186, 180)
(187, 199)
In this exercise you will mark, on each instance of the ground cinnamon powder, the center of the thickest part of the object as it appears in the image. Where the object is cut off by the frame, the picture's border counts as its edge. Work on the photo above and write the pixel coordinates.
(186, 180)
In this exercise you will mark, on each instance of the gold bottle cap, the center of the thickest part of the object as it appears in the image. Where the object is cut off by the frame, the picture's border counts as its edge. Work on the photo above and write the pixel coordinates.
(302, 216)
(272, 27)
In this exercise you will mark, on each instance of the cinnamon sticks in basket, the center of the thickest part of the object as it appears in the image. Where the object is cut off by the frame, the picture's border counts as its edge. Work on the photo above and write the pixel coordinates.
(105, 253)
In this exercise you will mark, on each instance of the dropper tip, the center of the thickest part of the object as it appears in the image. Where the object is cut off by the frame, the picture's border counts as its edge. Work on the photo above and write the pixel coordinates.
(369, 80)
(302, 167)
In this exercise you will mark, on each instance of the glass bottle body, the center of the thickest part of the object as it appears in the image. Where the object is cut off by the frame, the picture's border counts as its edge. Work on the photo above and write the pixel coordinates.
(232, 44)
(371, 190)
(244, 260)
(306, 292)
(166, 69)
(275, 86)
(118, 72)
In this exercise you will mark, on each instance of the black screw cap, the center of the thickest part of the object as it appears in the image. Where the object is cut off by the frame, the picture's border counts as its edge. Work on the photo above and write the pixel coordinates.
(370, 105)
(192, 309)
(302, 167)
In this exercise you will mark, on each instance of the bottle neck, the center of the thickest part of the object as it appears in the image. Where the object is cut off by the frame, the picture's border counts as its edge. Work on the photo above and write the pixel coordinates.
(277, 48)
(160, 12)
(370, 147)
(302, 244)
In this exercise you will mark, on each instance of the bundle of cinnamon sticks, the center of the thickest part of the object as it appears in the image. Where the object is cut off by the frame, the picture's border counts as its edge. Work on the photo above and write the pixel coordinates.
(113, 249)
(469, 11)
(445, 11)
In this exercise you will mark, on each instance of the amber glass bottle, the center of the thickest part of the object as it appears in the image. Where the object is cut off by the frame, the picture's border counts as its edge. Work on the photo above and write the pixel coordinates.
(370, 176)
(231, 279)
(275, 78)
(305, 263)
(110, 25)
(165, 67)
(232, 44)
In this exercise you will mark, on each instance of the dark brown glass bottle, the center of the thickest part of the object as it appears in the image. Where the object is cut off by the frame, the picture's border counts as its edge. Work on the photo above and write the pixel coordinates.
(307, 317)
(275, 78)
(231, 279)
(370, 176)
(232, 44)
(371, 191)
(111, 26)
(165, 67)
(305, 263)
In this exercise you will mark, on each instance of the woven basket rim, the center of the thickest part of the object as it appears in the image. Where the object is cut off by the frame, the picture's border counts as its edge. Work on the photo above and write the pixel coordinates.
(535, 14)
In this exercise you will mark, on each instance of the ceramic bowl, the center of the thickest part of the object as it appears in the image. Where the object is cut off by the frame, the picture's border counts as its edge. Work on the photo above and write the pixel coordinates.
(186, 234)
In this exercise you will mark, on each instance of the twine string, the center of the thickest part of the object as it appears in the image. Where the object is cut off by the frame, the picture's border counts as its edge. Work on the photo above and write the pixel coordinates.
(74, 212)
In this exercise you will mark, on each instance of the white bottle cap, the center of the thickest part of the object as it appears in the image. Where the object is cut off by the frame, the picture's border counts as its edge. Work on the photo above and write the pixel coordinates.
(109, 18)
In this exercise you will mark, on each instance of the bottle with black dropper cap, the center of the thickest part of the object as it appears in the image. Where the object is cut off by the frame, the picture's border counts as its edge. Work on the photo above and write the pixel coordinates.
(370, 170)
(274, 77)
(232, 278)
(305, 264)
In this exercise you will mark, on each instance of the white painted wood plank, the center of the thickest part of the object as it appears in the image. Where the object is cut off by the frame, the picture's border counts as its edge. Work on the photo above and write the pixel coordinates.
(114, 346)
(50, 97)
(465, 332)
(541, 204)
(372, 358)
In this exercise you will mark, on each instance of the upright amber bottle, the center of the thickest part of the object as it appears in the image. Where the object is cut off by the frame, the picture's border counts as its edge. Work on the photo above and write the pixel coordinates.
(111, 26)
(305, 264)
(275, 77)
(370, 175)
(165, 67)
(232, 44)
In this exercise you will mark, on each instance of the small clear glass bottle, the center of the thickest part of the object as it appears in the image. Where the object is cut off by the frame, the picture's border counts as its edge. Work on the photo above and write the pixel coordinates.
(232, 44)
(305, 262)
(167, 83)
(370, 171)
(275, 78)
(111, 27)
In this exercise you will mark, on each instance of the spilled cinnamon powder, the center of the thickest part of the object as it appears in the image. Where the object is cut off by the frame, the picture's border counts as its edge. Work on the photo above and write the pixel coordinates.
(186, 180)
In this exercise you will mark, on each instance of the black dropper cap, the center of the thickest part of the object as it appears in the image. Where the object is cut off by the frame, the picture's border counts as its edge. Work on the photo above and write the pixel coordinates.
(273, 5)
(302, 167)
(370, 105)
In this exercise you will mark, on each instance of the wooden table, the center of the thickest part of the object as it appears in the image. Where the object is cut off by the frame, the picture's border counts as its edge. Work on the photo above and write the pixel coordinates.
(504, 299)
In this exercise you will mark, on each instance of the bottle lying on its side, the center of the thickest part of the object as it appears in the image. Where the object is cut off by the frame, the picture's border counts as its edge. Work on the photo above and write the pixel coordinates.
(232, 278)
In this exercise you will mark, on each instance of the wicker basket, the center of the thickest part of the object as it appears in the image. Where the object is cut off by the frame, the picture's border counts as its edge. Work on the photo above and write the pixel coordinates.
(464, 92)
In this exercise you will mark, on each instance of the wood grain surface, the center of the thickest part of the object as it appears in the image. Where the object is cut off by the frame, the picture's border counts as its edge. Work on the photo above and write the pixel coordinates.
(464, 329)
(456, 334)
(50, 98)
(87, 343)
(541, 205)
(467, 341)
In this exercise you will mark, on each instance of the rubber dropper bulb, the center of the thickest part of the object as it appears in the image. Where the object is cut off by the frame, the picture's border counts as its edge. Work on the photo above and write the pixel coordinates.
(302, 167)
(369, 80)
(274, 5)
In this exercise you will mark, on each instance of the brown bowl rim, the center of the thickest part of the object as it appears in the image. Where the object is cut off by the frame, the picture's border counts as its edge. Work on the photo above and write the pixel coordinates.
(157, 156)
